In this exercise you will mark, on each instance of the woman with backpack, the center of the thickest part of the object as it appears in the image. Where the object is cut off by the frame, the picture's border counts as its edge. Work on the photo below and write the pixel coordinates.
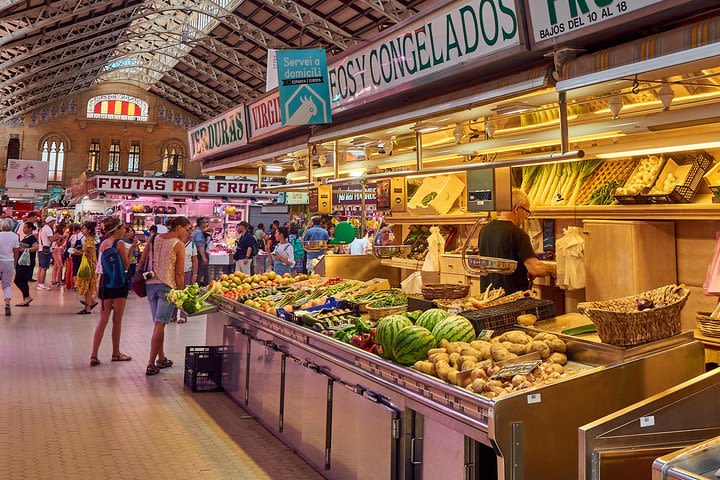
(114, 287)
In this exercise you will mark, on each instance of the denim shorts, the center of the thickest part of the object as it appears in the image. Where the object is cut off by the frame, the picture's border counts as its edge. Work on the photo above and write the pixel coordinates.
(44, 259)
(161, 310)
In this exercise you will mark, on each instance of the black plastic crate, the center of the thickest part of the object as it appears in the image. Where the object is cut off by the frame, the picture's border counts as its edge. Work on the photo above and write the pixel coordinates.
(204, 367)
(700, 163)
(502, 318)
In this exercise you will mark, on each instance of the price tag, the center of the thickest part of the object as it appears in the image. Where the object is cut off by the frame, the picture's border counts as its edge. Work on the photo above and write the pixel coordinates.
(520, 368)
(647, 421)
(485, 335)
(534, 398)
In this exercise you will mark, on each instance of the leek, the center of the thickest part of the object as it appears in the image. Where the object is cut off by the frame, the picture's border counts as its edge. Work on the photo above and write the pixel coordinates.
(528, 177)
(569, 185)
(542, 195)
(556, 176)
(589, 166)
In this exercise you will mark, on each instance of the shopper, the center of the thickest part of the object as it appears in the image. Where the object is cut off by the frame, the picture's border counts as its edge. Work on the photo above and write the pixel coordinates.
(131, 240)
(198, 238)
(191, 266)
(315, 233)
(58, 248)
(298, 250)
(283, 257)
(260, 232)
(74, 250)
(503, 238)
(24, 271)
(167, 264)
(246, 248)
(9, 242)
(113, 288)
(47, 237)
(161, 228)
(360, 246)
(86, 282)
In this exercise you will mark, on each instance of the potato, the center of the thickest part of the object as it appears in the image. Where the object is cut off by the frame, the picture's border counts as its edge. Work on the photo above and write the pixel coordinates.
(468, 365)
(515, 336)
(443, 343)
(515, 348)
(485, 364)
(452, 377)
(478, 385)
(478, 373)
(479, 344)
(518, 379)
(425, 367)
(439, 357)
(557, 368)
(453, 348)
(499, 352)
(494, 383)
(540, 347)
(558, 358)
(444, 372)
(433, 351)
(489, 394)
(527, 320)
(545, 336)
(454, 357)
(470, 351)
(558, 346)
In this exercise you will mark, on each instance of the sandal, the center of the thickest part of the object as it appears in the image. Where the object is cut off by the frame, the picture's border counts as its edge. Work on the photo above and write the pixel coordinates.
(152, 370)
(94, 362)
(7, 310)
(164, 363)
(121, 358)
(83, 312)
(182, 320)
(94, 305)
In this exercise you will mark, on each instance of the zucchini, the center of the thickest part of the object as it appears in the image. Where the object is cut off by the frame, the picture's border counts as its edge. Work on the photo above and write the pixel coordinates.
(590, 328)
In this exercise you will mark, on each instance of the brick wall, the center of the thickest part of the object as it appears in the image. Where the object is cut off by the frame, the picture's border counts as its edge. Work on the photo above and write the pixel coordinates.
(79, 132)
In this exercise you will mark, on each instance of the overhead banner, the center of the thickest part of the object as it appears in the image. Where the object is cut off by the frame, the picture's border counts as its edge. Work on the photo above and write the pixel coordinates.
(303, 87)
(27, 174)
(219, 134)
(264, 115)
(552, 19)
(175, 186)
(458, 33)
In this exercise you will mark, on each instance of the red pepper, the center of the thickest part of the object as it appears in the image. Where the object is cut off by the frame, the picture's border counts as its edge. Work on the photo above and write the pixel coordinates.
(373, 331)
(356, 341)
(375, 350)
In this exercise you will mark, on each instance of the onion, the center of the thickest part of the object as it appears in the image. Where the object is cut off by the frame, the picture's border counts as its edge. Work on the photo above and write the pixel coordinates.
(644, 304)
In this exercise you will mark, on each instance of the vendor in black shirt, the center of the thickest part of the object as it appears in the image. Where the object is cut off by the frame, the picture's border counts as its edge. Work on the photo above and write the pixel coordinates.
(503, 238)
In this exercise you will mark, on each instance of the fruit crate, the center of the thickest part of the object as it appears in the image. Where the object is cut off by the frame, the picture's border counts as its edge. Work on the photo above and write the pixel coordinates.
(699, 162)
(640, 198)
(502, 318)
(330, 305)
(609, 171)
(204, 366)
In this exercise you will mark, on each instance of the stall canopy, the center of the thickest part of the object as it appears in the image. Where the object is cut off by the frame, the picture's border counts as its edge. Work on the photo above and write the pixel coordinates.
(697, 43)
(227, 165)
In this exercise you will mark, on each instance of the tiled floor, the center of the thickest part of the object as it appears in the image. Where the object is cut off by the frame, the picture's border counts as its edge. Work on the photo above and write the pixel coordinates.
(62, 419)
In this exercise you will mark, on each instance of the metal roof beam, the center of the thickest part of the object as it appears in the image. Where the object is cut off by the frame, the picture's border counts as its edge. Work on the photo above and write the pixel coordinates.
(311, 21)
(390, 9)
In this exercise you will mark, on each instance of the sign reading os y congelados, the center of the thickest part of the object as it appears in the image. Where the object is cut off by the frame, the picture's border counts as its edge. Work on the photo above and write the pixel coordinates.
(457, 33)
(555, 18)
(219, 134)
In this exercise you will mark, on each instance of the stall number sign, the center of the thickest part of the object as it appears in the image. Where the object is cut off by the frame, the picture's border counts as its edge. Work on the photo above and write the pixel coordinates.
(555, 18)
(219, 134)
(174, 186)
(460, 32)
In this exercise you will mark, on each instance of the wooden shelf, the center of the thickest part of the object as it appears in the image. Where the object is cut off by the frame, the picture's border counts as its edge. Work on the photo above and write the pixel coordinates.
(703, 209)
(453, 219)
(405, 263)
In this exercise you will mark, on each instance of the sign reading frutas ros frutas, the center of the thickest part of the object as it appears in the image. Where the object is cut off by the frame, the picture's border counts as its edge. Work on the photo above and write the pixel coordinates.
(555, 18)
(303, 87)
(219, 134)
(27, 174)
(175, 186)
(458, 33)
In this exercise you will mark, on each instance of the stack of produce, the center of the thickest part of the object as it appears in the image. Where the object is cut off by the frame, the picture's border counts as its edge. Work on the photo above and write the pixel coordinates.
(642, 177)
(556, 184)
(189, 300)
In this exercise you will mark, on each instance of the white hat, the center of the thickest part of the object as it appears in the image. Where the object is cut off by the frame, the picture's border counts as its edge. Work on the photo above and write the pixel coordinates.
(49, 219)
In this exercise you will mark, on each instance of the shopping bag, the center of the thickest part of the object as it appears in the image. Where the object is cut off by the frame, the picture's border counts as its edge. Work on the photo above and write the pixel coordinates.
(84, 272)
(24, 259)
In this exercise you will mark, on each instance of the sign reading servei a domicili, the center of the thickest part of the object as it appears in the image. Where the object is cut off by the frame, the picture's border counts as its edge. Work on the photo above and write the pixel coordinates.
(457, 33)
(219, 134)
(553, 20)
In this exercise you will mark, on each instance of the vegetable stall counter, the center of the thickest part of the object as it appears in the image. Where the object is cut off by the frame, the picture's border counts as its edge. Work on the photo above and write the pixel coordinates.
(338, 405)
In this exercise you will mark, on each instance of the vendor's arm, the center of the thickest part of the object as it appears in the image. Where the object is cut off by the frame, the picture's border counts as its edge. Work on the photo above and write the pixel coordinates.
(536, 268)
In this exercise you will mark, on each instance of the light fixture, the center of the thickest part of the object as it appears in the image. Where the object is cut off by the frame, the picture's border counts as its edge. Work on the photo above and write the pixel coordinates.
(666, 95)
(165, 197)
(356, 173)
(296, 164)
(421, 127)
(656, 150)
(490, 129)
(322, 160)
(512, 108)
(273, 168)
(615, 104)
(195, 198)
(225, 199)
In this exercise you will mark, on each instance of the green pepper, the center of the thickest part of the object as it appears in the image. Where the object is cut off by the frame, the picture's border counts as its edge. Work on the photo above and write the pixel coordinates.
(361, 326)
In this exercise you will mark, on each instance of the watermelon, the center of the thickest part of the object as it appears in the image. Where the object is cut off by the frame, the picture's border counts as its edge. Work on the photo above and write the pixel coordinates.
(455, 329)
(430, 318)
(386, 329)
(411, 344)
(413, 316)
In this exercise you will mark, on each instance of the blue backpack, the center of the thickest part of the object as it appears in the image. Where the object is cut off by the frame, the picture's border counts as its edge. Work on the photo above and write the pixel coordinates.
(113, 270)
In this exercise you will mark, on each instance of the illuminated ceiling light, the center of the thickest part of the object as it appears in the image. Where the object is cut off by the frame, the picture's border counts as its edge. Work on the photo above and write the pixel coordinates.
(273, 168)
(512, 108)
(615, 104)
(666, 95)
(421, 127)
(656, 150)
(356, 173)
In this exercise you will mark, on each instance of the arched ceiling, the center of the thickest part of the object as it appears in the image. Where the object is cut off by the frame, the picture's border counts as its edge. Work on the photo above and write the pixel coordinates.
(205, 56)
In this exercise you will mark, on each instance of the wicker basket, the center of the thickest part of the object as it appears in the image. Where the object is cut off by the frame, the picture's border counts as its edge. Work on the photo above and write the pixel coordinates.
(620, 323)
(707, 325)
(434, 291)
(378, 313)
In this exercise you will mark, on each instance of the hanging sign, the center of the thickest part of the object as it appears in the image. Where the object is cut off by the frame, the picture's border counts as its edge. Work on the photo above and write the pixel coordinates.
(219, 134)
(458, 33)
(175, 186)
(552, 19)
(264, 115)
(27, 174)
(271, 77)
(303, 87)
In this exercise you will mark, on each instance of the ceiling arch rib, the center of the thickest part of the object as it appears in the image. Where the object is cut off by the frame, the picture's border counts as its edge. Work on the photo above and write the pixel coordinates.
(390, 9)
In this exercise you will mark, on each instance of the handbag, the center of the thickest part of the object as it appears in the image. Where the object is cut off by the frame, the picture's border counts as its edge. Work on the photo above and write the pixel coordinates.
(24, 259)
(138, 281)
